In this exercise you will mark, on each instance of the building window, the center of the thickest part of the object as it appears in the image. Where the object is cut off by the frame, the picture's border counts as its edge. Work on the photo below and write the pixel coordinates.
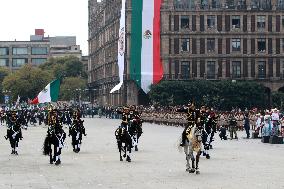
(185, 45)
(236, 45)
(283, 44)
(20, 51)
(261, 45)
(204, 4)
(4, 62)
(18, 62)
(39, 50)
(261, 69)
(236, 69)
(4, 51)
(216, 4)
(261, 22)
(211, 21)
(261, 4)
(184, 22)
(38, 61)
(283, 21)
(184, 4)
(241, 4)
(210, 45)
(280, 4)
(230, 4)
(185, 70)
(236, 22)
(210, 70)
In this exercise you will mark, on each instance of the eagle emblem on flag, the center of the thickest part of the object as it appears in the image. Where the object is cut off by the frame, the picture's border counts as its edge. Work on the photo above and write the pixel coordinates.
(147, 34)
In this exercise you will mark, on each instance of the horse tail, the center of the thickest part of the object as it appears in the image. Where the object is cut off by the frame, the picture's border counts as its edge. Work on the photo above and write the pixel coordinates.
(46, 146)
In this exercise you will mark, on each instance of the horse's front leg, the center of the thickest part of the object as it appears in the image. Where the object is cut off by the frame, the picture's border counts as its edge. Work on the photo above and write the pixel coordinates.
(50, 155)
(135, 141)
(188, 167)
(119, 144)
(128, 151)
(16, 147)
(197, 162)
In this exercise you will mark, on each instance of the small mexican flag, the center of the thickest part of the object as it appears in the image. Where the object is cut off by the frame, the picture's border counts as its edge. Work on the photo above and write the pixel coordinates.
(49, 94)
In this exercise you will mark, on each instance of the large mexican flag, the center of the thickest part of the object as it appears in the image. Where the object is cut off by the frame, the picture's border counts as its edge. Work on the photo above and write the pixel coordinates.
(145, 61)
(49, 94)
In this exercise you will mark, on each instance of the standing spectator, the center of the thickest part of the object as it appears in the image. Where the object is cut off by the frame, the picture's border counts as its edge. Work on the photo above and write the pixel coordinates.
(247, 125)
(233, 124)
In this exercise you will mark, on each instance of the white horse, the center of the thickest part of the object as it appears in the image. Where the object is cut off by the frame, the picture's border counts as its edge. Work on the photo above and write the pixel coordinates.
(192, 145)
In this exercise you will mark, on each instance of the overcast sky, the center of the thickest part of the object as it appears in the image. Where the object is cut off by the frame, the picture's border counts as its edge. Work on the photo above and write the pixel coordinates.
(19, 18)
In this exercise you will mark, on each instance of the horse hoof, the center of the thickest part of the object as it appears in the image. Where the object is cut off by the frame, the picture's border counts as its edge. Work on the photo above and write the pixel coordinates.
(51, 162)
(204, 154)
(211, 147)
(128, 159)
(121, 159)
(136, 148)
(207, 156)
(197, 172)
(124, 156)
(16, 153)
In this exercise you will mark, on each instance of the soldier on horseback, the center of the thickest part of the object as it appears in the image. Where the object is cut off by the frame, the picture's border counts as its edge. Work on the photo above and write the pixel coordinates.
(207, 129)
(76, 130)
(135, 129)
(14, 132)
(192, 116)
(55, 136)
(122, 134)
(192, 137)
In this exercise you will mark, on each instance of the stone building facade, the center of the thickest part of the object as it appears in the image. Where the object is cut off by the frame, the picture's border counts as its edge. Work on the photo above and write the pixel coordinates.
(200, 39)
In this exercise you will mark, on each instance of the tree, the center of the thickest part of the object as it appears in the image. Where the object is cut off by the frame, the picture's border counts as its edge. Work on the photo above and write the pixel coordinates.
(278, 100)
(26, 82)
(71, 88)
(219, 94)
(68, 66)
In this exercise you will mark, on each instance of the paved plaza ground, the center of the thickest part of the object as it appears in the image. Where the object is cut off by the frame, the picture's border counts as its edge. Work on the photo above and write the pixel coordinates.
(242, 164)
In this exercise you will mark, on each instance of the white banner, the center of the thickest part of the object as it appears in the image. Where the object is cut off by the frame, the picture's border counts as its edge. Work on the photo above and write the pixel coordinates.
(121, 48)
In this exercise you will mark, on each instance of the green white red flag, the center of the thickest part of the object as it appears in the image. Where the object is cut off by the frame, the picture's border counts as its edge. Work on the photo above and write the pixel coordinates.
(146, 67)
(49, 94)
